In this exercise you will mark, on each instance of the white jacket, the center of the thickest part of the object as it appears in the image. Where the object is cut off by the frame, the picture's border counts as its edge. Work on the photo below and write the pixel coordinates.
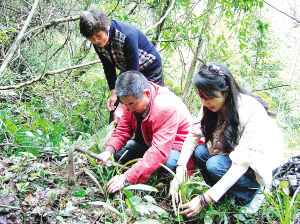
(260, 146)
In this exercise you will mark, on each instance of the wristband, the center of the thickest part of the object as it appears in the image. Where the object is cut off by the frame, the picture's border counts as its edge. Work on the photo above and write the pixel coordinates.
(202, 200)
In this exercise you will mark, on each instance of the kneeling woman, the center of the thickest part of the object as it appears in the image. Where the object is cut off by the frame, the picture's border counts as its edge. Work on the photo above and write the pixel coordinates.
(243, 145)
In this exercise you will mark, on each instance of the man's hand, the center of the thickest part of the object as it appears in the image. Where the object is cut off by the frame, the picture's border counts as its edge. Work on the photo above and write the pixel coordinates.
(116, 183)
(112, 100)
(106, 158)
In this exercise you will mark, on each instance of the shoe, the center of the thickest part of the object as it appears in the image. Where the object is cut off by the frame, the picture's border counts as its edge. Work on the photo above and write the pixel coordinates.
(255, 203)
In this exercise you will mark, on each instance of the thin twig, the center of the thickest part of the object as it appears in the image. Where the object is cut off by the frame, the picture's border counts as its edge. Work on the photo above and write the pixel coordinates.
(162, 18)
(53, 23)
(11, 207)
(281, 11)
(274, 87)
(46, 74)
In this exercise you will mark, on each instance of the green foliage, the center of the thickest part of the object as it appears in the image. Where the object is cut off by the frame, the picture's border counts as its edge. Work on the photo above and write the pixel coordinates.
(281, 206)
(47, 117)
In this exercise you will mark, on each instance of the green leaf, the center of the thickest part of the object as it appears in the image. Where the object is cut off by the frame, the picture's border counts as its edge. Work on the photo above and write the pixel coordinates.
(285, 187)
(29, 133)
(141, 187)
(42, 173)
(11, 126)
(135, 200)
(80, 193)
(147, 208)
(95, 180)
(147, 221)
(127, 193)
(208, 219)
(107, 206)
(224, 52)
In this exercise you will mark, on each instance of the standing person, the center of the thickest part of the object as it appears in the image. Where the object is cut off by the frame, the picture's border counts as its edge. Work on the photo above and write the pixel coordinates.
(243, 145)
(120, 45)
(153, 127)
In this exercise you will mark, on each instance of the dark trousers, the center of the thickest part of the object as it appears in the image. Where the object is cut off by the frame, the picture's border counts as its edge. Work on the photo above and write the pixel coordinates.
(213, 169)
(133, 150)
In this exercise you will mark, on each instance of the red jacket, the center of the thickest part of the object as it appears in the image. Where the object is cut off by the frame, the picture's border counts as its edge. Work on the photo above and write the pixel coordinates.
(165, 128)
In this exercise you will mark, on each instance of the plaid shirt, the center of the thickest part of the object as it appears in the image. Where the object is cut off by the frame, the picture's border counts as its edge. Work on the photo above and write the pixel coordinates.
(129, 49)
(114, 53)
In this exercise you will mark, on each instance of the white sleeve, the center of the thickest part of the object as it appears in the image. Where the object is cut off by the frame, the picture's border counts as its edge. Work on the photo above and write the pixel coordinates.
(227, 181)
(191, 140)
(253, 118)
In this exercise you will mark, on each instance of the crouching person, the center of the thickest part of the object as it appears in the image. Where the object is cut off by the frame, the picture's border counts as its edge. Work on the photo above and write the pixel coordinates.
(153, 127)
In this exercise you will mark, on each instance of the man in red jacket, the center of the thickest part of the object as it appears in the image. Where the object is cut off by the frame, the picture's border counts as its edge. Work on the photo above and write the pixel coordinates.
(153, 127)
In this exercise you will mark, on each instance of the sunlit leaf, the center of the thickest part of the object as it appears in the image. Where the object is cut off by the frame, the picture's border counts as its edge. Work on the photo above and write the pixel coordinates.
(208, 219)
(147, 221)
(285, 187)
(135, 200)
(141, 187)
(66, 140)
(29, 133)
(145, 208)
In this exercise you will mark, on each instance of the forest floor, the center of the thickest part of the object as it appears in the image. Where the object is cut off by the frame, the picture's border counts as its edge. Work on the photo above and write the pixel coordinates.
(35, 190)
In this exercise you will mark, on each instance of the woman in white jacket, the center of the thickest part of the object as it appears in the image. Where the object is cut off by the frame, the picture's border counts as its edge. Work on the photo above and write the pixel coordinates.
(243, 145)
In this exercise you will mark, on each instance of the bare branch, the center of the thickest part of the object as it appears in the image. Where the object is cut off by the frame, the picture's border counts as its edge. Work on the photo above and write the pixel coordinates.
(10, 207)
(46, 74)
(199, 46)
(53, 23)
(274, 87)
(19, 37)
(162, 18)
(136, 5)
(281, 11)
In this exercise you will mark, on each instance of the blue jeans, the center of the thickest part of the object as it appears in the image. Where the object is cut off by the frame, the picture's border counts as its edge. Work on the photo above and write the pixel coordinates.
(214, 167)
(135, 150)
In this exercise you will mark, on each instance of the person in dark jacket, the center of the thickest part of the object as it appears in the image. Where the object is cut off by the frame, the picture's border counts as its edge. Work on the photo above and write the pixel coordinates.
(122, 46)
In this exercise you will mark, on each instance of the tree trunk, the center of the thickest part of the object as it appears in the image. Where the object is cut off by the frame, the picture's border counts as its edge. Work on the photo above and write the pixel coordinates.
(159, 27)
(187, 88)
(162, 18)
(13, 47)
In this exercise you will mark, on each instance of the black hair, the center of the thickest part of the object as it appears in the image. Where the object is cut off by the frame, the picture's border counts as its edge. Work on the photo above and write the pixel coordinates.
(215, 77)
(131, 83)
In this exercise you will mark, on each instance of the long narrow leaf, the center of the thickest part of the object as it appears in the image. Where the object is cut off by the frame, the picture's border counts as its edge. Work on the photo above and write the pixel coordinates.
(107, 206)
(88, 172)
(141, 187)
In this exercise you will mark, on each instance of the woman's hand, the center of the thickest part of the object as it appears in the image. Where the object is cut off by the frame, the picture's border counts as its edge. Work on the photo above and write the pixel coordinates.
(178, 179)
(174, 186)
(193, 207)
(112, 100)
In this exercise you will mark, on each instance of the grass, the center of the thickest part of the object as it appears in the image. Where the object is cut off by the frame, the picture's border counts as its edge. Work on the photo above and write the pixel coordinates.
(39, 191)
(33, 178)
